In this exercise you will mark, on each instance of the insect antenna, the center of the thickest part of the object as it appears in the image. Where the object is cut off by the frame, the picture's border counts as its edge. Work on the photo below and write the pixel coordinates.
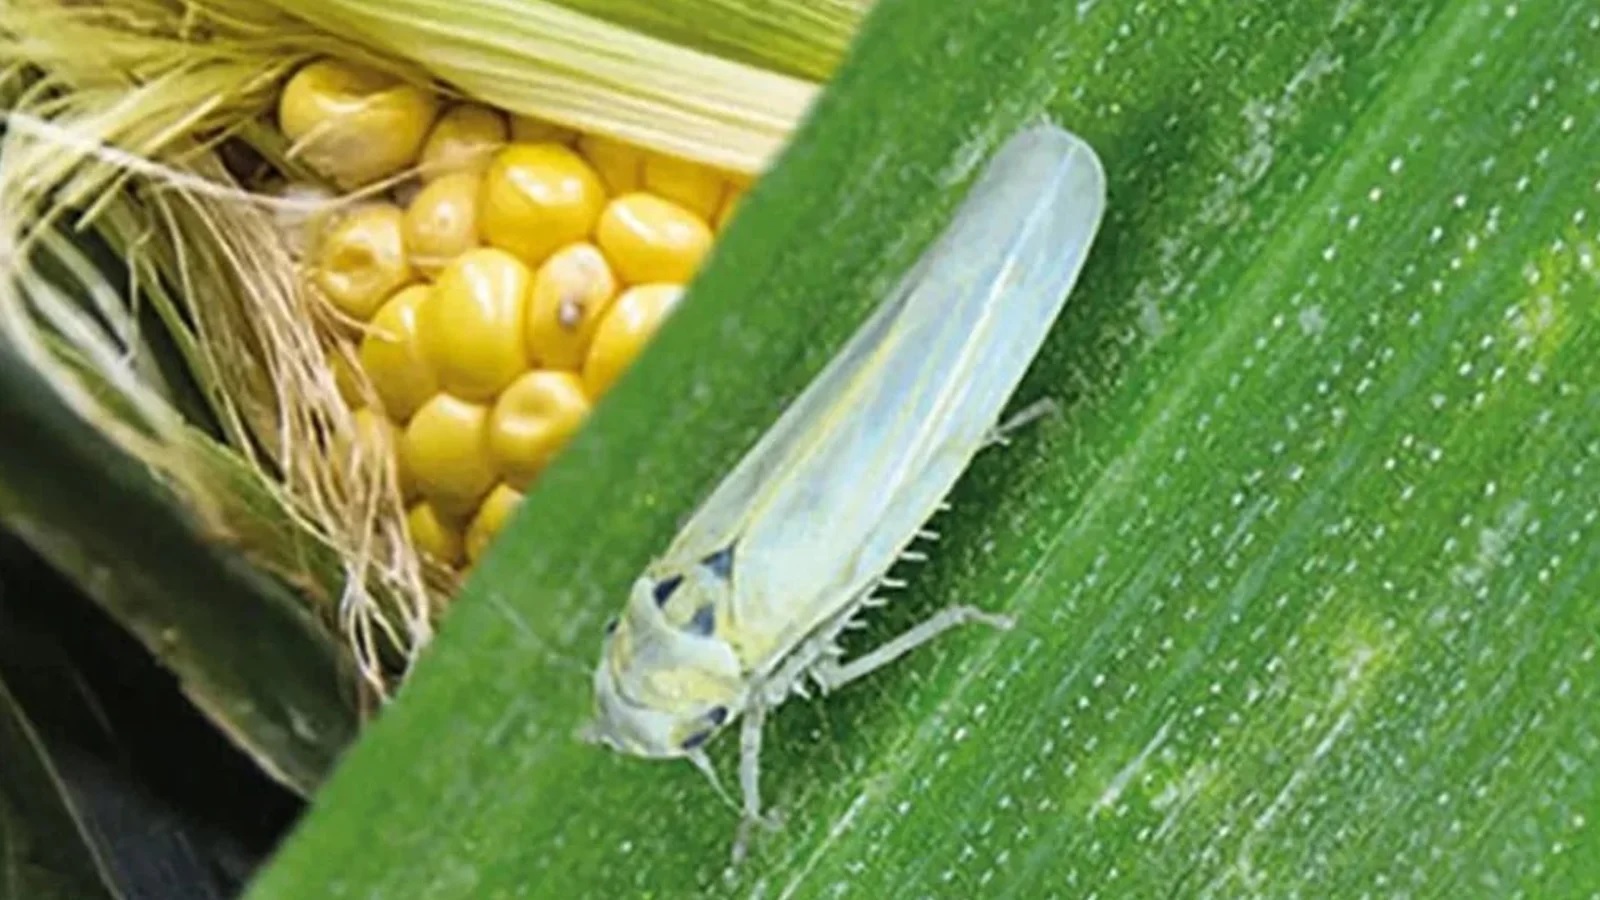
(701, 761)
(563, 660)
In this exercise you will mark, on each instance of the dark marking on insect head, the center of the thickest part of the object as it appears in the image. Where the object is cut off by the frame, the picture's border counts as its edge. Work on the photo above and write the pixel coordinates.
(703, 622)
(717, 716)
(720, 563)
(665, 587)
(693, 741)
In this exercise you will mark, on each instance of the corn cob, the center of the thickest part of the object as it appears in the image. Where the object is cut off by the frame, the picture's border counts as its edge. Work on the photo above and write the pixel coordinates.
(502, 286)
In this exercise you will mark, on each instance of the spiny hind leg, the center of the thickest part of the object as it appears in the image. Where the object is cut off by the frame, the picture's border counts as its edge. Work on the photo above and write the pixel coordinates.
(773, 691)
(831, 674)
(755, 717)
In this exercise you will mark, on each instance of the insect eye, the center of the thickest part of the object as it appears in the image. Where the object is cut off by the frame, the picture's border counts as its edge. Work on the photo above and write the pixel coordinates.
(703, 622)
(611, 625)
(717, 716)
(665, 587)
(720, 563)
(693, 741)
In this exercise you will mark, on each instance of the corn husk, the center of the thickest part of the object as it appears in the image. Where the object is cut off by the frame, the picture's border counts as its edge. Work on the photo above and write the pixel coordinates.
(545, 61)
(137, 142)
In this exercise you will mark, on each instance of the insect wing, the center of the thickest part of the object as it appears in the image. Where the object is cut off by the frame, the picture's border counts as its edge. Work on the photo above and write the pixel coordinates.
(821, 507)
(723, 517)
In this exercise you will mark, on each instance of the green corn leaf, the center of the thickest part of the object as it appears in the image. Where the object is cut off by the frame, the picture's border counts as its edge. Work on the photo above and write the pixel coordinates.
(1305, 571)
(111, 786)
(246, 650)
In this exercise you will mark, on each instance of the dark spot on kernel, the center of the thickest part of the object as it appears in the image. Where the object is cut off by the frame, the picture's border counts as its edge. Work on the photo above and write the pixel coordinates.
(720, 563)
(665, 587)
(569, 312)
(703, 622)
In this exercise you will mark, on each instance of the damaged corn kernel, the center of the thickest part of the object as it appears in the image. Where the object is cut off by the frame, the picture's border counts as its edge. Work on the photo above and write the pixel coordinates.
(362, 260)
(533, 419)
(442, 221)
(354, 124)
(571, 292)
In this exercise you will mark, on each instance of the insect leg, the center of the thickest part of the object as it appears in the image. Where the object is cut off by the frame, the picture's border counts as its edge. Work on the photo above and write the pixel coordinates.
(771, 692)
(1029, 414)
(755, 717)
(832, 674)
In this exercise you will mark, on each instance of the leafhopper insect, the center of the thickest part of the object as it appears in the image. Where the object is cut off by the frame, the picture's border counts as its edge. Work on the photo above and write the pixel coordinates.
(747, 603)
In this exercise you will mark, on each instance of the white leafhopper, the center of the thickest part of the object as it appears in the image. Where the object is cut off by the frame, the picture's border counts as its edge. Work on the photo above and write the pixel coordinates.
(748, 601)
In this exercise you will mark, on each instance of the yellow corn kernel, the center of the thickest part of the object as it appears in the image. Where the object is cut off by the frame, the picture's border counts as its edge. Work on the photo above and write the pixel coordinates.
(528, 130)
(629, 325)
(492, 516)
(362, 260)
(434, 535)
(463, 140)
(380, 440)
(649, 239)
(304, 217)
(354, 124)
(536, 198)
(371, 438)
(393, 356)
(621, 166)
(373, 442)
(442, 222)
(472, 326)
(347, 380)
(690, 185)
(447, 454)
(406, 479)
(533, 419)
(571, 292)
(729, 205)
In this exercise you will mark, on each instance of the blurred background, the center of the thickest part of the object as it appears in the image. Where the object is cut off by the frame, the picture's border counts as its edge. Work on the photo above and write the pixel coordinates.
(170, 809)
